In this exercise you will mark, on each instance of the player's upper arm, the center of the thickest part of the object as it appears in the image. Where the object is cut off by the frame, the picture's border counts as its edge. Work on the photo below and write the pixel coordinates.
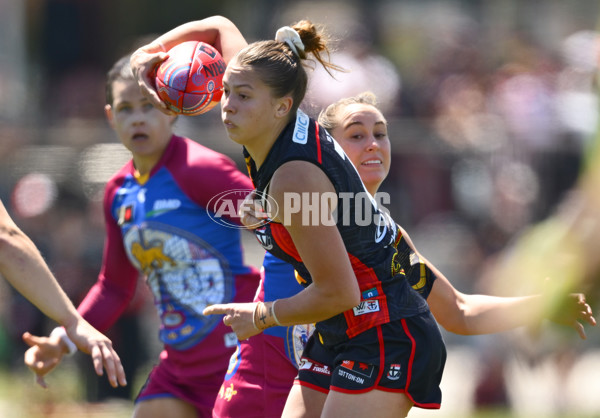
(306, 210)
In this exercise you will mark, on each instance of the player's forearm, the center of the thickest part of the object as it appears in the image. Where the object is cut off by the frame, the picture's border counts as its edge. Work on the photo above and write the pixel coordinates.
(313, 305)
(215, 30)
(24, 268)
(485, 314)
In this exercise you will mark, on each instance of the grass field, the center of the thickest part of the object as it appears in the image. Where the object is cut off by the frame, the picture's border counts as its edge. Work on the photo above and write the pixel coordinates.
(21, 397)
(538, 391)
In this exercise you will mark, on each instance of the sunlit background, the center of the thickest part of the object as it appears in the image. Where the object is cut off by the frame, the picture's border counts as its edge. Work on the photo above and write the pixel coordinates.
(491, 110)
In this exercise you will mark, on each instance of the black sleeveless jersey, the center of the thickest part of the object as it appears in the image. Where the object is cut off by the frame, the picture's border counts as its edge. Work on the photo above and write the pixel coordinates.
(368, 232)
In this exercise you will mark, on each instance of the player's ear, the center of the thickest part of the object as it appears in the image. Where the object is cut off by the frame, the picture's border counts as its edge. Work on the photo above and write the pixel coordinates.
(108, 111)
(283, 106)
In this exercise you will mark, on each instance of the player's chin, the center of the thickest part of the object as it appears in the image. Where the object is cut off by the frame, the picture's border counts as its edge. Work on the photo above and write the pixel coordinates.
(372, 174)
(233, 134)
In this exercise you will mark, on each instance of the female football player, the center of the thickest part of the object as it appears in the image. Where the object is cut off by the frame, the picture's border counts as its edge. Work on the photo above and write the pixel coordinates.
(486, 310)
(159, 224)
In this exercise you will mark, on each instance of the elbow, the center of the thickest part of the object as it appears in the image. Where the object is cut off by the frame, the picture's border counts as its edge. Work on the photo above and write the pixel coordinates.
(454, 321)
(342, 301)
(10, 241)
(458, 329)
(351, 299)
(7, 235)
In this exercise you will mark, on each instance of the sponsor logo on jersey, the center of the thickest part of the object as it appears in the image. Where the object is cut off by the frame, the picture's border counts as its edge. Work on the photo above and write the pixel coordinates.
(164, 205)
(366, 307)
(314, 367)
(301, 129)
(363, 369)
(394, 372)
(350, 376)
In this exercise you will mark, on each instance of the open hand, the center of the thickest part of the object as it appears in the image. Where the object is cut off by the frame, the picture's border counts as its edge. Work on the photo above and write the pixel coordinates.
(91, 341)
(573, 311)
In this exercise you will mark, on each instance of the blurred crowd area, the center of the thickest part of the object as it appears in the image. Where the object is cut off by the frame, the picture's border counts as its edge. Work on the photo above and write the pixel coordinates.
(491, 109)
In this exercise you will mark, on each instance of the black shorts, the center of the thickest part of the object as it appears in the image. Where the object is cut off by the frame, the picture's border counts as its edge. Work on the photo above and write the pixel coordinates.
(405, 356)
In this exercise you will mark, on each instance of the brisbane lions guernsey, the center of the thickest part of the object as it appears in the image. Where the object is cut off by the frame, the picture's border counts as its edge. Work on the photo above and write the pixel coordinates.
(160, 227)
(368, 232)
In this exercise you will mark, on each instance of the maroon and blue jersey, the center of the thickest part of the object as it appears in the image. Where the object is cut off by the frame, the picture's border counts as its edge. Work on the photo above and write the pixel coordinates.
(160, 227)
(368, 232)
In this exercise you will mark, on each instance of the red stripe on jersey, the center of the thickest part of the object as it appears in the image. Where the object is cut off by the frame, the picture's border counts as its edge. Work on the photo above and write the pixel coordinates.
(284, 240)
(412, 353)
(381, 355)
(367, 281)
(319, 159)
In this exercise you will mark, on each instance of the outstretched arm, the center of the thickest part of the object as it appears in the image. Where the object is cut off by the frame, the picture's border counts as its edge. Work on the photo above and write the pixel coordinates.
(469, 314)
(23, 267)
(217, 31)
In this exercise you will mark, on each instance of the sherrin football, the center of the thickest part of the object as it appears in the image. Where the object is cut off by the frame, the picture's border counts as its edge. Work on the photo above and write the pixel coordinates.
(190, 81)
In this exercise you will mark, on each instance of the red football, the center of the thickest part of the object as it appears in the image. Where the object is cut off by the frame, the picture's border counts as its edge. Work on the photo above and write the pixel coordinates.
(190, 80)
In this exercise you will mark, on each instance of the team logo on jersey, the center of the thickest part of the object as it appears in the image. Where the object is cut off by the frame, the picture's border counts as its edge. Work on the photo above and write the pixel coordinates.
(227, 392)
(265, 240)
(366, 307)
(394, 372)
(151, 257)
(298, 336)
(370, 293)
(185, 274)
(396, 265)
